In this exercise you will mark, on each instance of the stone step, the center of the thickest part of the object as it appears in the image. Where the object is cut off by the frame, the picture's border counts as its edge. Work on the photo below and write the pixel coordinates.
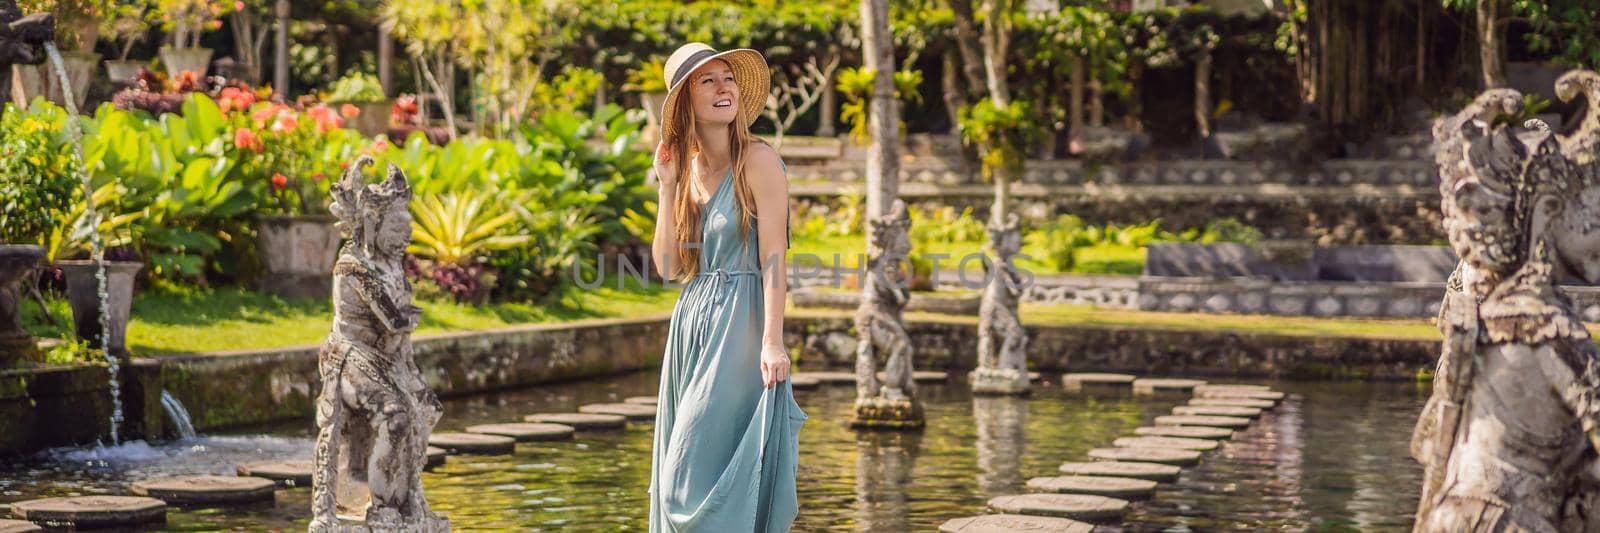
(287, 474)
(207, 490)
(89, 512)
(1082, 380)
(1147, 471)
(18, 526)
(1085, 507)
(1115, 487)
(1166, 456)
(1217, 410)
(435, 457)
(1188, 432)
(632, 411)
(1240, 393)
(1007, 523)
(526, 431)
(1232, 386)
(473, 443)
(1164, 385)
(1200, 445)
(580, 421)
(1234, 402)
(641, 400)
(830, 378)
(1196, 420)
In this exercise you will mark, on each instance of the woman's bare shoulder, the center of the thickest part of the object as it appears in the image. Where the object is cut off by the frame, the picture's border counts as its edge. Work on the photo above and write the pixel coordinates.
(766, 167)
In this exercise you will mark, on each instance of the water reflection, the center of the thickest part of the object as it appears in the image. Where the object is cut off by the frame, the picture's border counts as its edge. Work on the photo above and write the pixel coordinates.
(1002, 435)
(885, 462)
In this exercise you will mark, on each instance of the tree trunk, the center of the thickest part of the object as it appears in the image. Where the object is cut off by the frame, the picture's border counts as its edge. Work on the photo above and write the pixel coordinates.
(996, 46)
(950, 80)
(827, 122)
(1075, 111)
(1491, 43)
(385, 62)
(883, 124)
(1422, 44)
(1136, 96)
(967, 43)
(1202, 94)
(280, 52)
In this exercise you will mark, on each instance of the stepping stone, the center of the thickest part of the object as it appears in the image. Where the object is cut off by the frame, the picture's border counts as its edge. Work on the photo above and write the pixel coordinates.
(804, 383)
(1240, 393)
(1086, 507)
(88, 512)
(1188, 432)
(287, 473)
(641, 400)
(632, 411)
(473, 443)
(1216, 410)
(1166, 456)
(580, 421)
(1198, 420)
(1180, 443)
(207, 490)
(1150, 471)
(1007, 523)
(18, 526)
(1233, 402)
(1080, 380)
(525, 431)
(436, 457)
(1033, 376)
(1115, 487)
(829, 378)
(923, 376)
(1160, 385)
(1233, 386)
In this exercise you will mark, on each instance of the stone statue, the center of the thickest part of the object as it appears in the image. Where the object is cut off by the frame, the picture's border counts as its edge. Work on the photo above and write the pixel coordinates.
(20, 41)
(375, 411)
(1002, 342)
(881, 329)
(1508, 438)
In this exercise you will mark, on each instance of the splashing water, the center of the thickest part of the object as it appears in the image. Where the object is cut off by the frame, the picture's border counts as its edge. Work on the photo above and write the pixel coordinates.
(96, 249)
(179, 415)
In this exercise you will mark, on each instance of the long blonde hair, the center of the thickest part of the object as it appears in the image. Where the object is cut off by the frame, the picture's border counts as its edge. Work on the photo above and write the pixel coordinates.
(685, 146)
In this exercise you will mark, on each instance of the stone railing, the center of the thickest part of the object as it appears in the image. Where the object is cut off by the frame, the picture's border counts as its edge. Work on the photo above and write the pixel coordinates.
(951, 171)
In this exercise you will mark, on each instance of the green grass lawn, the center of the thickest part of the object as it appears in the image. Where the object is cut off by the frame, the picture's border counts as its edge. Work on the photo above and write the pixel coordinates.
(1097, 259)
(177, 320)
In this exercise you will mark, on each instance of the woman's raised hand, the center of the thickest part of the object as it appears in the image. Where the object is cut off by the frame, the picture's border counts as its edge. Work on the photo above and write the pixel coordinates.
(666, 168)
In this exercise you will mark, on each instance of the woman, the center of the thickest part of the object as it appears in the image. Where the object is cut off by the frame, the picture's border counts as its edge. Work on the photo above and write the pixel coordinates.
(727, 427)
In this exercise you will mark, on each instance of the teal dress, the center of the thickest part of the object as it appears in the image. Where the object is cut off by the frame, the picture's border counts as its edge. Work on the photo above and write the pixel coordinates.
(726, 448)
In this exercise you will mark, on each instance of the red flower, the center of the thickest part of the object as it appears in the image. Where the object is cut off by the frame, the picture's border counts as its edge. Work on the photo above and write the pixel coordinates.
(235, 98)
(286, 122)
(318, 176)
(325, 117)
(349, 111)
(279, 182)
(246, 139)
(344, 165)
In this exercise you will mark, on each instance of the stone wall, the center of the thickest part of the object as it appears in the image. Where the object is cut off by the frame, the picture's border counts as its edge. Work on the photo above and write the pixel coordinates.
(952, 344)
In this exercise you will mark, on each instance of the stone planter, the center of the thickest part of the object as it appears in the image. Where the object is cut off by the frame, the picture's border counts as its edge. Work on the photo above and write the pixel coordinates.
(15, 343)
(122, 71)
(41, 79)
(83, 293)
(177, 60)
(652, 102)
(374, 117)
(298, 252)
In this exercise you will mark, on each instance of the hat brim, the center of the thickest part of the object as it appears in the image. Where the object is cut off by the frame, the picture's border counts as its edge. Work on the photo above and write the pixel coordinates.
(749, 72)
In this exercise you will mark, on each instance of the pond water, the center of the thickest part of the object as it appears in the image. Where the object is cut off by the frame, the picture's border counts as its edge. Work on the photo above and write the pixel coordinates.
(1332, 456)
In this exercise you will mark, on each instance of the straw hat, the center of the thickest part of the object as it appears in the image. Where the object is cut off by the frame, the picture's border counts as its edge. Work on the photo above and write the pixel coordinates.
(749, 71)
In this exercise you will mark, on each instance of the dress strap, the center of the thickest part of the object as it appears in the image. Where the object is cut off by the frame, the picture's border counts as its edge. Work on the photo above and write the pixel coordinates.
(722, 275)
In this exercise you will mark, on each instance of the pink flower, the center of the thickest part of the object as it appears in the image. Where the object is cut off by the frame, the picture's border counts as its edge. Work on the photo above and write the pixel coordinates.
(214, 24)
(238, 6)
(286, 122)
(247, 140)
(325, 117)
(349, 111)
(279, 182)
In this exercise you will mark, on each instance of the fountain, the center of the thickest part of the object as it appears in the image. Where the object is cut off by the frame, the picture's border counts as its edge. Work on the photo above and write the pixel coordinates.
(179, 415)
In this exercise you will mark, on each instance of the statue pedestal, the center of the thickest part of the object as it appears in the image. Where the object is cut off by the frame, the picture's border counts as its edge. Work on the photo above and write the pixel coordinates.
(998, 381)
(350, 524)
(883, 413)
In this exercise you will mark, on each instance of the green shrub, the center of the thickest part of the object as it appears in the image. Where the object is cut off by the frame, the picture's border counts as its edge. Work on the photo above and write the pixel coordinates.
(356, 87)
(38, 179)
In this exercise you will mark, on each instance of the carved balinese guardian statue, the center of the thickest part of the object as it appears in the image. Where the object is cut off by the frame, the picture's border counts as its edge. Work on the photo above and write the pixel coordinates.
(881, 329)
(375, 411)
(20, 40)
(1002, 341)
(1508, 438)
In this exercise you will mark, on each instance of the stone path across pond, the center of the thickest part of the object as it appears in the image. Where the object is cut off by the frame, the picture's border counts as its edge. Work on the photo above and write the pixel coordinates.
(207, 490)
(1134, 466)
